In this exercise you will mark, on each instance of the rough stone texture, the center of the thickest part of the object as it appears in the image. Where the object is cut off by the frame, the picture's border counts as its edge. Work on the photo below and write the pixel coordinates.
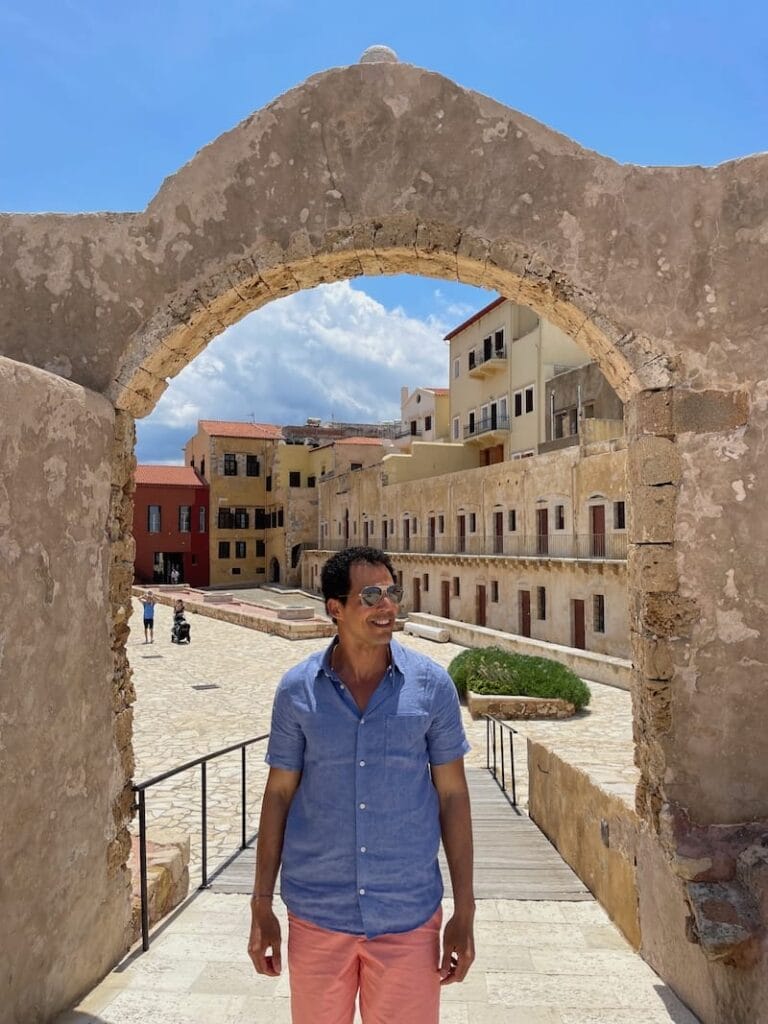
(518, 707)
(64, 754)
(167, 876)
(385, 168)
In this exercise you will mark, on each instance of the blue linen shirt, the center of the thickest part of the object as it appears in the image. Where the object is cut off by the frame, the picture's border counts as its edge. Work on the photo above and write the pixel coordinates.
(363, 831)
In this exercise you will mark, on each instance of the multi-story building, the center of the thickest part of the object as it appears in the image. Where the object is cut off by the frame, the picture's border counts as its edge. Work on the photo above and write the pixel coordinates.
(236, 461)
(425, 415)
(500, 360)
(170, 525)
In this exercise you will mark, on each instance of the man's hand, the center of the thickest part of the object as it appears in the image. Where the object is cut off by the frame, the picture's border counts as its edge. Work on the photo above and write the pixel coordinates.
(265, 935)
(458, 950)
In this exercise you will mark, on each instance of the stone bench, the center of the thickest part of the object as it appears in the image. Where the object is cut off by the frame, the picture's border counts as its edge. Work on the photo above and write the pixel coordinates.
(296, 612)
(518, 707)
(436, 633)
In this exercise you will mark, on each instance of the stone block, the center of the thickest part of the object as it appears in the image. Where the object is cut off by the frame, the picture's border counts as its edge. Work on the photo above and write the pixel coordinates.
(709, 411)
(518, 707)
(725, 922)
(652, 514)
(652, 568)
(651, 656)
(652, 461)
(667, 615)
(650, 413)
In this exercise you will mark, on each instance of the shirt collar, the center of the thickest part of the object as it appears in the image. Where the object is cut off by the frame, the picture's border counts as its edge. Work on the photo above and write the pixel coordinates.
(396, 653)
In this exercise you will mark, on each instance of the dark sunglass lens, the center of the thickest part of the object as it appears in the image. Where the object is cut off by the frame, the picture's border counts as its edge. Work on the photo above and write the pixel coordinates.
(395, 594)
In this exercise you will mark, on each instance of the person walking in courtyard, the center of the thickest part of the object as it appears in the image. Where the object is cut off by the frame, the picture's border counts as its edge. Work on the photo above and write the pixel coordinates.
(366, 756)
(148, 600)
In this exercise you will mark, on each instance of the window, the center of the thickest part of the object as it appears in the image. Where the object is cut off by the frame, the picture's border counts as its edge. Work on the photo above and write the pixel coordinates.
(561, 419)
(260, 549)
(414, 525)
(192, 462)
(185, 518)
(471, 424)
(529, 398)
(269, 482)
(456, 586)
(471, 359)
(456, 368)
(455, 433)
(280, 517)
(498, 341)
(559, 517)
(425, 582)
(153, 518)
(241, 518)
(588, 411)
(201, 519)
(512, 517)
(441, 524)
(598, 613)
(294, 479)
(202, 467)
(239, 549)
(619, 515)
(226, 519)
(260, 521)
(392, 527)
(414, 428)
(252, 467)
(472, 522)
(223, 549)
(356, 465)
(494, 591)
(230, 465)
(311, 481)
(354, 528)
(427, 422)
(541, 602)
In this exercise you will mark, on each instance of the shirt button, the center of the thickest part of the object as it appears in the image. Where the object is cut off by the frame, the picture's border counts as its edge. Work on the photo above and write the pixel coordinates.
(362, 764)
(362, 807)
(363, 849)
(341, 686)
(362, 892)
(362, 721)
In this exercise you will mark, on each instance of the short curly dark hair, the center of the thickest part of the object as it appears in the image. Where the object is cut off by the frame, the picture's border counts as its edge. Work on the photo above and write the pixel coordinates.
(334, 577)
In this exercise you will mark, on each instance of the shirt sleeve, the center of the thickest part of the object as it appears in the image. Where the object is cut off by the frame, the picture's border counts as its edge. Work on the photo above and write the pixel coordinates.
(286, 739)
(446, 740)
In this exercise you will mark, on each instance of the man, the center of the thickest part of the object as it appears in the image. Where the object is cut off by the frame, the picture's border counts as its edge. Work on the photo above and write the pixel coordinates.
(148, 600)
(366, 774)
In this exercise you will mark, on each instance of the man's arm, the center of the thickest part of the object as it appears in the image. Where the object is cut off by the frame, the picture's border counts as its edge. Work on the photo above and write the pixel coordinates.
(456, 827)
(265, 928)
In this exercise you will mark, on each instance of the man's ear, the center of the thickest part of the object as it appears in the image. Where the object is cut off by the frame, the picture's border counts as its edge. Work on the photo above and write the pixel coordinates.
(332, 606)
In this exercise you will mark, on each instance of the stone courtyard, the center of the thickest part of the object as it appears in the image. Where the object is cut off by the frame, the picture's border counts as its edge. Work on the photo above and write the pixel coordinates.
(538, 962)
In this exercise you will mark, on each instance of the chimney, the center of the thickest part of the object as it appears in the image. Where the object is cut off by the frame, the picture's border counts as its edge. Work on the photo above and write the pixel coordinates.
(403, 397)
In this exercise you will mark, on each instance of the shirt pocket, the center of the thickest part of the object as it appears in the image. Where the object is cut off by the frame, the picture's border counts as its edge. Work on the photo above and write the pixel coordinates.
(406, 760)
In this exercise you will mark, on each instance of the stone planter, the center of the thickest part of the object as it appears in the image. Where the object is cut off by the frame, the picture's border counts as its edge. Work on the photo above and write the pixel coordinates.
(518, 707)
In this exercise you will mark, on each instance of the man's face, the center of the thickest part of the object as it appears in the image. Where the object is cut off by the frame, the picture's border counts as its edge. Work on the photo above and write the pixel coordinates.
(357, 623)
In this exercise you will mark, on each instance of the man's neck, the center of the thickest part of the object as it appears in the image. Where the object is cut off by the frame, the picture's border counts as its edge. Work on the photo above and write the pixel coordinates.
(361, 668)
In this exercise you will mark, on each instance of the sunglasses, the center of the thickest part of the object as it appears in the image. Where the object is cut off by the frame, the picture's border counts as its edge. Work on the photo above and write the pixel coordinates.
(373, 595)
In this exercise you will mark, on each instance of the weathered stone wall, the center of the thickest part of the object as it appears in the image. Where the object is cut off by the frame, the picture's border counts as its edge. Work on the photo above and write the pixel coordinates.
(65, 748)
(658, 273)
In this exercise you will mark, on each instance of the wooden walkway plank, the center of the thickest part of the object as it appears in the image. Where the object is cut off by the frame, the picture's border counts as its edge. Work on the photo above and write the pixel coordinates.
(514, 860)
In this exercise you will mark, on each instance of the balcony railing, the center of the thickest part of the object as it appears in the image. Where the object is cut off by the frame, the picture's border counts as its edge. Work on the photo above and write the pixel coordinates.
(486, 425)
(588, 546)
(480, 362)
(406, 430)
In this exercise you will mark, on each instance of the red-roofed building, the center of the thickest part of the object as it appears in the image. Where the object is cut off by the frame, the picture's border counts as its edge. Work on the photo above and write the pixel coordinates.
(170, 526)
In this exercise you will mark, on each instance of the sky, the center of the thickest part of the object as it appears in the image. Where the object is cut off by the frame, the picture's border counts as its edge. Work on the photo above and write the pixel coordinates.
(100, 101)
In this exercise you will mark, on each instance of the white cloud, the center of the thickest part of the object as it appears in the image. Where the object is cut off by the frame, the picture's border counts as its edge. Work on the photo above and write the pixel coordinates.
(332, 352)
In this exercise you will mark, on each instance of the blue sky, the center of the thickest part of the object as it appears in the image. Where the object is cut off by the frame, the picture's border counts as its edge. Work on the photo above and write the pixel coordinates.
(100, 101)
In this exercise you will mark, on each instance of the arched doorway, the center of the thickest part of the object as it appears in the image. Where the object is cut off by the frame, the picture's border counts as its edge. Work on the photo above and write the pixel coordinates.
(383, 169)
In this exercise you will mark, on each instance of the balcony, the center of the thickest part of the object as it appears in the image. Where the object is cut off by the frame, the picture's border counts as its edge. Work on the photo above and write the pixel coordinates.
(406, 430)
(482, 362)
(610, 547)
(487, 430)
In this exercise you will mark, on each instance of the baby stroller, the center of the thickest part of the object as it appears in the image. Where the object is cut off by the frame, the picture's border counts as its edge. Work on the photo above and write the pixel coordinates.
(180, 631)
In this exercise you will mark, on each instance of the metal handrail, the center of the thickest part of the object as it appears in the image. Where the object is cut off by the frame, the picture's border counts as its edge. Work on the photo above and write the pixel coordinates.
(140, 788)
(491, 721)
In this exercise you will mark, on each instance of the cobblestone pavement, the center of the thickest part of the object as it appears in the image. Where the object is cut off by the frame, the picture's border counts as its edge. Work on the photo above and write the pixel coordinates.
(538, 962)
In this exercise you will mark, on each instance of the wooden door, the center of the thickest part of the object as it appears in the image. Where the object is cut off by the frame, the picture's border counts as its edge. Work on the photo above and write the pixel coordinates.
(524, 602)
(578, 633)
(498, 533)
(597, 529)
(416, 594)
(480, 604)
(445, 599)
(542, 531)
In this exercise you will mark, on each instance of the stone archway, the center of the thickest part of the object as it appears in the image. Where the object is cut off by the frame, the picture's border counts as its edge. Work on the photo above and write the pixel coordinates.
(385, 168)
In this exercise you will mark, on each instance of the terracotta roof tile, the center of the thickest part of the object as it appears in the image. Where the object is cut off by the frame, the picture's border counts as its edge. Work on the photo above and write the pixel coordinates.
(227, 428)
(178, 476)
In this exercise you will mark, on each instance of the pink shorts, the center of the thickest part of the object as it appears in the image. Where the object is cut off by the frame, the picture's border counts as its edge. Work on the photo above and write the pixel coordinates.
(397, 975)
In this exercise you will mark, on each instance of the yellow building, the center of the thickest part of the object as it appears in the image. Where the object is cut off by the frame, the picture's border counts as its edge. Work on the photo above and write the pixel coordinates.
(236, 460)
(500, 360)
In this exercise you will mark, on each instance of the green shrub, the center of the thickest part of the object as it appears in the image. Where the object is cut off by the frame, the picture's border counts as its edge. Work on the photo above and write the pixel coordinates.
(490, 670)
